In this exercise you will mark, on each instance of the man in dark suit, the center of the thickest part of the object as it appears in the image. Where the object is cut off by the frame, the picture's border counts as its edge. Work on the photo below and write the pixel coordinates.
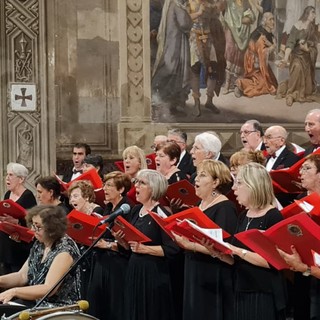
(312, 128)
(79, 152)
(185, 163)
(279, 156)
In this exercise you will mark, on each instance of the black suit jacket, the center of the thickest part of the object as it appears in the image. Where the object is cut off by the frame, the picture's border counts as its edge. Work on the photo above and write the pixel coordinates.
(308, 151)
(285, 160)
(186, 164)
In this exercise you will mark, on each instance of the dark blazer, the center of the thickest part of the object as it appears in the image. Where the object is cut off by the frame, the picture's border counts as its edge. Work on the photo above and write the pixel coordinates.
(186, 164)
(308, 151)
(285, 160)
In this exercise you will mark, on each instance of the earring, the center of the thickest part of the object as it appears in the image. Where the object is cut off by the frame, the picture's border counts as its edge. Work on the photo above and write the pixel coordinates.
(214, 194)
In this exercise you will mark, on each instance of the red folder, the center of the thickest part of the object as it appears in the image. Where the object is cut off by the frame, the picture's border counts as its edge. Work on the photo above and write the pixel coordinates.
(131, 233)
(189, 230)
(183, 190)
(17, 232)
(12, 209)
(82, 227)
(91, 175)
(297, 207)
(195, 215)
(298, 230)
(100, 197)
(288, 178)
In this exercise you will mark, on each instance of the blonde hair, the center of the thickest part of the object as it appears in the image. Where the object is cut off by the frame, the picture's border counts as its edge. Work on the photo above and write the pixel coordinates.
(137, 153)
(257, 179)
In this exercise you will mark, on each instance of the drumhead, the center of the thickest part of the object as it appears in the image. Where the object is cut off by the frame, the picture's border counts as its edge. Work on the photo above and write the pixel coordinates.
(67, 315)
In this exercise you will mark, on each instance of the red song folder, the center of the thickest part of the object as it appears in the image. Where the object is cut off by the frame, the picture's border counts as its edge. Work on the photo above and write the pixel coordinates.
(12, 209)
(298, 230)
(17, 232)
(91, 175)
(309, 204)
(194, 233)
(100, 197)
(195, 215)
(287, 180)
(82, 227)
(131, 233)
(184, 191)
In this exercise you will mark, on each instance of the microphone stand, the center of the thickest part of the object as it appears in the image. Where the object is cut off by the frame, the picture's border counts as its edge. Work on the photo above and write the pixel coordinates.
(73, 266)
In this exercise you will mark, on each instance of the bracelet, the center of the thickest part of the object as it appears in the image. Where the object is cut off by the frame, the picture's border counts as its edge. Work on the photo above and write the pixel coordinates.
(243, 253)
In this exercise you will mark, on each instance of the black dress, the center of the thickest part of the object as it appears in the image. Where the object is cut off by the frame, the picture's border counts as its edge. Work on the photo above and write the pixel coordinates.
(107, 280)
(208, 287)
(260, 292)
(13, 254)
(148, 292)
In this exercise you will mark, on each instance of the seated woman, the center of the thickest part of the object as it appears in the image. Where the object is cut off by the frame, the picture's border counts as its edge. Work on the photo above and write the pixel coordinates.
(167, 157)
(51, 256)
(301, 56)
(48, 192)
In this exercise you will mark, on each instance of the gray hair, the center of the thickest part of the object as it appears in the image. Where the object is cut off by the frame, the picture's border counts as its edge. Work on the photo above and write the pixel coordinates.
(157, 182)
(210, 142)
(18, 169)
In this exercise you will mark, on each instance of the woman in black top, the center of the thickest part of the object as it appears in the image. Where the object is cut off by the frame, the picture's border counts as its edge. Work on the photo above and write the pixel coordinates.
(260, 290)
(12, 253)
(109, 262)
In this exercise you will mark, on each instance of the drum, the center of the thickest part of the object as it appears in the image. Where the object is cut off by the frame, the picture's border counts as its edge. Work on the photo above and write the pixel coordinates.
(67, 315)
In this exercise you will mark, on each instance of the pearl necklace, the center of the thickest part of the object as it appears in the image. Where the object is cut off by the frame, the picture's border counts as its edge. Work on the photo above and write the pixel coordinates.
(210, 204)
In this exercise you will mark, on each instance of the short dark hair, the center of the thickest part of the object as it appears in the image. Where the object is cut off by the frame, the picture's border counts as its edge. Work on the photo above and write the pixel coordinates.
(53, 218)
(171, 149)
(256, 126)
(180, 133)
(50, 183)
(86, 147)
(96, 160)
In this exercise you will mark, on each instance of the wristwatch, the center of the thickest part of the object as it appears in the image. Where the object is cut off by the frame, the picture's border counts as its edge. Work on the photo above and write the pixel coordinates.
(307, 273)
(243, 253)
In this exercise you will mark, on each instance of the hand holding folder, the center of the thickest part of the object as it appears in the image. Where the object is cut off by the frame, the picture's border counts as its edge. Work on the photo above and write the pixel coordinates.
(91, 175)
(298, 230)
(13, 209)
(287, 180)
(184, 191)
(83, 228)
(194, 214)
(309, 204)
(130, 232)
(16, 232)
(194, 233)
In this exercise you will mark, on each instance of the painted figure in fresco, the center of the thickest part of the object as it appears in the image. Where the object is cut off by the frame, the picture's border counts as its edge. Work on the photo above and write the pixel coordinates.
(207, 51)
(258, 77)
(155, 18)
(171, 72)
(301, 56)
(294, 9)
(237, 19)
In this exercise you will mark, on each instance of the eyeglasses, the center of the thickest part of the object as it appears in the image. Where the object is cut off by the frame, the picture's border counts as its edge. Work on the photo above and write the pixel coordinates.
(139, 182)
(246, 132)
(36, 228)
(270, 137)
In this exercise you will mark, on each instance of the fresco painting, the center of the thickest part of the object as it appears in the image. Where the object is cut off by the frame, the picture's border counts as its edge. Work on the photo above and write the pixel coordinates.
(230, 60)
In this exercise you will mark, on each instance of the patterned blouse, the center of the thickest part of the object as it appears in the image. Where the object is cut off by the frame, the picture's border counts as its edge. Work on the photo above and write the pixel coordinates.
(69, 291)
